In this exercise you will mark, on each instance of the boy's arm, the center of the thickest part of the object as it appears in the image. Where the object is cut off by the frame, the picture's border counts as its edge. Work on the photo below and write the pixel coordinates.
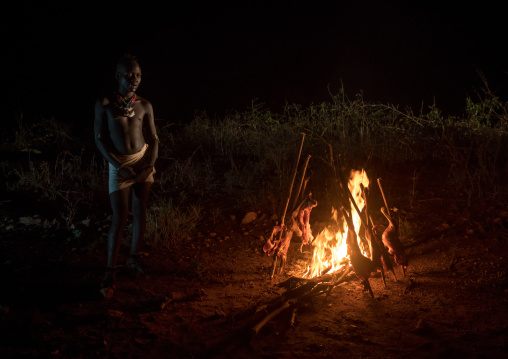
(103, 142)
(151, 132)
(153, 143)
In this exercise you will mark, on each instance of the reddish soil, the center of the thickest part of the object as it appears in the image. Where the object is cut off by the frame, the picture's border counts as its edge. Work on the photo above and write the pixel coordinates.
(195, 299)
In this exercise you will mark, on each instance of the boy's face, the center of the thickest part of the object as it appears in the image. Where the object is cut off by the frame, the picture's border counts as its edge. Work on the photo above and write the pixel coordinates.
(129, 77)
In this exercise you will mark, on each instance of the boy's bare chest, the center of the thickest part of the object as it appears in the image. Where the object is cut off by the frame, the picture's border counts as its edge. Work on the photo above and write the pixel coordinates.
(118, 118)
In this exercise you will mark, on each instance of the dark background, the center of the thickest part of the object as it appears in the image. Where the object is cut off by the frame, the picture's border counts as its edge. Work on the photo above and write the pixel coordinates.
(220, 56)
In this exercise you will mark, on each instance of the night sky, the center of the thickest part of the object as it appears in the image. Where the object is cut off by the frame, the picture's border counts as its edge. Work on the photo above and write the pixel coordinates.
(219, 56)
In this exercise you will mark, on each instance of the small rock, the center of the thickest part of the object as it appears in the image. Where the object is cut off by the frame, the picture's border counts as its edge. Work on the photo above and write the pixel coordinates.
(28, 221)
(249, 217)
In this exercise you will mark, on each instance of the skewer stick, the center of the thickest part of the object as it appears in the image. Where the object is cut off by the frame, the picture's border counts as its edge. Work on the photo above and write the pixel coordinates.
(348, 193)
(297, 196)
(385, 257)
(276, 255)
(372, 240)
(384, 197)
(293, 178)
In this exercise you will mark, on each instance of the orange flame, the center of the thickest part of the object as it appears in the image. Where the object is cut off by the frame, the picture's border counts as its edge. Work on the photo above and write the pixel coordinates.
(330, 249)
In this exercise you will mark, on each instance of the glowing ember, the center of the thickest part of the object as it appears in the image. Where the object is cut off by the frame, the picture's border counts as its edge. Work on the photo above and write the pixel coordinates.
(330, 249)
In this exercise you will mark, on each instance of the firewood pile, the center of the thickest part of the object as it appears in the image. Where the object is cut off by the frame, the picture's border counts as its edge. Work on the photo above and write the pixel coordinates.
(299, 294)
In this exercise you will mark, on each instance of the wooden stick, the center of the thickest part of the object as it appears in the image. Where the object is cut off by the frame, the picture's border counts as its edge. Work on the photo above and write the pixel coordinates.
(276, 254)
(348, 194)
(384, 254)
(332, 277)
(297, 196)
(302, 193)
(370, 233)
(272, 315)
(384, 197)
(293, 179)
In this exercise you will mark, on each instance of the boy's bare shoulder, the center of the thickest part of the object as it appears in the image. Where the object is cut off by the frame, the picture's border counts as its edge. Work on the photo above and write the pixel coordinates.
(144, 102)
(103, 101)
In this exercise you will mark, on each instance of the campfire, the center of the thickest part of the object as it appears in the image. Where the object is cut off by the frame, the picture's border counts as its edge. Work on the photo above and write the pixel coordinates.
(329, 247)
(352, 243)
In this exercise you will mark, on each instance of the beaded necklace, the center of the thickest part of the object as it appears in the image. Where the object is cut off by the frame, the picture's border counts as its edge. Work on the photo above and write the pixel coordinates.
(126, 104)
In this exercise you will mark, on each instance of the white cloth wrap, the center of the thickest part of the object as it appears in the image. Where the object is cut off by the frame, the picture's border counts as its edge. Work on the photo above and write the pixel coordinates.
(136, 161)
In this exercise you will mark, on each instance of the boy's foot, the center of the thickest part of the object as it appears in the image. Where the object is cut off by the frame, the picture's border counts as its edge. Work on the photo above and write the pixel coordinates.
(107, 292)
(109, 283)
(134, 268)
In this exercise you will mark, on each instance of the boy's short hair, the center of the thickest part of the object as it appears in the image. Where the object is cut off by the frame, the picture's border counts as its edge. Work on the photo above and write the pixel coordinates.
(126, 60)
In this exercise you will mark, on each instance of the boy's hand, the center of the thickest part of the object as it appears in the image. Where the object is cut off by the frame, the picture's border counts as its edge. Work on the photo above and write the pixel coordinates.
(127, 172)
(144, 173)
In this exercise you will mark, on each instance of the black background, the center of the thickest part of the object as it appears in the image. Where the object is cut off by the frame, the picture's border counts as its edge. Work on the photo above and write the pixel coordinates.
(220, 56)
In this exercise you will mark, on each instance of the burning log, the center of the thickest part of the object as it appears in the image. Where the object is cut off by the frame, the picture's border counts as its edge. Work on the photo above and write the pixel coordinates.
(332, 279)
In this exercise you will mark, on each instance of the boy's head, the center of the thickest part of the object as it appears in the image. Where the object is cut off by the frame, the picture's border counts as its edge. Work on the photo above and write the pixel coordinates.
(126, 61)
(128, 73)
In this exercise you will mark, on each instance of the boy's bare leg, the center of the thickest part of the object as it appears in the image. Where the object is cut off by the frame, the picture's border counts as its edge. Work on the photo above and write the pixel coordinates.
(140, 195)
(120, 205)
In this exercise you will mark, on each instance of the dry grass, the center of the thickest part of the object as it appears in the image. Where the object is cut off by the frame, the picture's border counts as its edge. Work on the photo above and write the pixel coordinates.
(250, 155)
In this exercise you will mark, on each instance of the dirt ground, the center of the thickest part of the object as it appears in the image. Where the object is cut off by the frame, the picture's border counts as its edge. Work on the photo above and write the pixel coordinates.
(200, 299)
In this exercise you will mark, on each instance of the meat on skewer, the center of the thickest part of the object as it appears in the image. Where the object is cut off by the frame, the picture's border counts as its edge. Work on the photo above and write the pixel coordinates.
(392, 241)
(378, 253)
(362, 266)
(304, 220)
(377, 232)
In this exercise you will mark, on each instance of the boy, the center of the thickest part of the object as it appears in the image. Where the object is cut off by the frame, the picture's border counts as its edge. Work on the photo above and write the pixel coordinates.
(125, 135)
